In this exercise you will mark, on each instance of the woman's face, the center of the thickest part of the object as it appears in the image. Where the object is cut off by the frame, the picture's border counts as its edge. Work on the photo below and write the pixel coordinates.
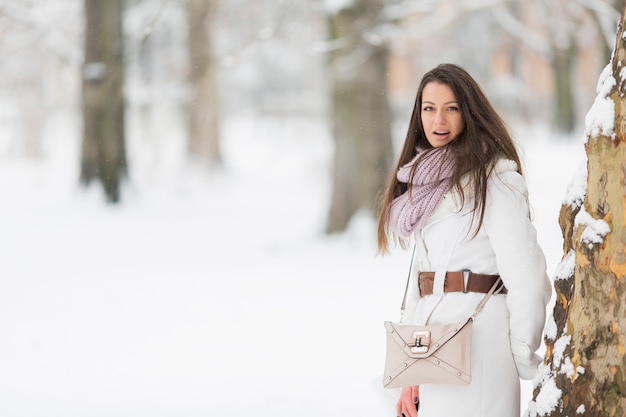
(441, 115)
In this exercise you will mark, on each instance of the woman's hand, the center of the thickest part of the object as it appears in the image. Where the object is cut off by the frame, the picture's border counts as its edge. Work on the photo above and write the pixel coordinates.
(406, 405)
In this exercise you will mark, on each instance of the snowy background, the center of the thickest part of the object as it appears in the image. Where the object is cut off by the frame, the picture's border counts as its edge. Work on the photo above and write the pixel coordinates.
(225, 297)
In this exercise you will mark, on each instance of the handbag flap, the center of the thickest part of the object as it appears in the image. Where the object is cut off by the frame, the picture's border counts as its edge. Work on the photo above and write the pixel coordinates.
(420, 342)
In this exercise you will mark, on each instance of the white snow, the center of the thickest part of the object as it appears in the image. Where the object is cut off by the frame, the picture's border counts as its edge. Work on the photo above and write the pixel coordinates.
(567, 367)
(580, 409)
(335, 6)
(606, 82)
(542, 375)
(209, 293)
(565, 269)
(94, 71)
(559, 348)
(550, 329)
(601, 116)
(577, 189)
(547, 398)
(594, 229)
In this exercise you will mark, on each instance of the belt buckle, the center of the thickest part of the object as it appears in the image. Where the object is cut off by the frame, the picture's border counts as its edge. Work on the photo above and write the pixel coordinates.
(469, 276)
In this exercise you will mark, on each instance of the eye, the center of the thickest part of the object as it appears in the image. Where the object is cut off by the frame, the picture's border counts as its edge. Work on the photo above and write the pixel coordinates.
(427, 108)
(453, 108)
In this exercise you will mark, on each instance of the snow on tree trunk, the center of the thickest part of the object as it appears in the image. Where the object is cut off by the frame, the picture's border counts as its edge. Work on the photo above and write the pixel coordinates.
(584, 373)
(203, 107)
(103, 154)
(361, 116)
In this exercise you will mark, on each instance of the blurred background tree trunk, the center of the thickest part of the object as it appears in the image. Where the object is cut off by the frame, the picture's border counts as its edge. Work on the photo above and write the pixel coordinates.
(361, 116)
(103, 153)
(203, 106)
(586, 353)
(565, 109)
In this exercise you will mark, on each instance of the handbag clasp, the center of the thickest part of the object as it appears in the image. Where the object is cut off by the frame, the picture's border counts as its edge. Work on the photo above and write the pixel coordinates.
(421, 341)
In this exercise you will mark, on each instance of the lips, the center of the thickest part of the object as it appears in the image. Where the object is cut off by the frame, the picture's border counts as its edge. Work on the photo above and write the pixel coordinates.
(441, 133)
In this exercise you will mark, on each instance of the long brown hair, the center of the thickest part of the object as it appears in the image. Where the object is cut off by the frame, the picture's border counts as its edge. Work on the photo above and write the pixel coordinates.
(482, 142)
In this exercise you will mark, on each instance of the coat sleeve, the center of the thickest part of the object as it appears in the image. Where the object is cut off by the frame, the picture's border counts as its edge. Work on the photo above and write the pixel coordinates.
(521, 264)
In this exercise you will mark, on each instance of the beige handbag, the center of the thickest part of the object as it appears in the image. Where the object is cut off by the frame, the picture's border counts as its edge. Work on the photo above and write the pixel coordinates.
(430, 354)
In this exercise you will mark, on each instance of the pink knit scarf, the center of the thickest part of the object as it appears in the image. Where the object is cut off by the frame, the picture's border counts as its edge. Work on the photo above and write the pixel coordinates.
(432, 180)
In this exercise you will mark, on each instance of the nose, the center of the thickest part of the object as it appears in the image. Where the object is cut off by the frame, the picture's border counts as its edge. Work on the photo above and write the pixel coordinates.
(440, 117)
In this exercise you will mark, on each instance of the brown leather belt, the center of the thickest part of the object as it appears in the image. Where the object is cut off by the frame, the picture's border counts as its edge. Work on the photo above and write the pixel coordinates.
(455, 282)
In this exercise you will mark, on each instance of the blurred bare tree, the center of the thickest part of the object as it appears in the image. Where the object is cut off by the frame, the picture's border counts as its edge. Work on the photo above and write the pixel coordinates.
(361, 115)
(537, 59)
(103, 152)
(203, 110)
(41, 52)
(534, 57)
(561, 31)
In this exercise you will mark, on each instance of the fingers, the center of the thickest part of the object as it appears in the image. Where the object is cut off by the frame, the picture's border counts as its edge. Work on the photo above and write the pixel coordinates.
(415, 393)
(415, 396)
(400, 407)
(409, 406)
(406, 405)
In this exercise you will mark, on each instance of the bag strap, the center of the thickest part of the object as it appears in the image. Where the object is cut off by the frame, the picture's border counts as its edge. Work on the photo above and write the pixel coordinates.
(406, 289)
(495, 289)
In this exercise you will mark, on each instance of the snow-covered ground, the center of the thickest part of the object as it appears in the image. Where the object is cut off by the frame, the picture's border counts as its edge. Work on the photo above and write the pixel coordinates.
(208, 293)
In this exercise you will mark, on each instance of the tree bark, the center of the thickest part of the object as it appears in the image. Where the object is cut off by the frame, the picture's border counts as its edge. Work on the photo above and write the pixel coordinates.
(361, 116)
(103, 153)
(586, 354)
(203, 108)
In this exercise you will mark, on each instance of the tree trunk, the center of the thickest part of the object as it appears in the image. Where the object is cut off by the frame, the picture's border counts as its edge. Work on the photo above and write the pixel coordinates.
(361, 117)
(563, 68)
(585, 366)
(104, 153)
(203, 107)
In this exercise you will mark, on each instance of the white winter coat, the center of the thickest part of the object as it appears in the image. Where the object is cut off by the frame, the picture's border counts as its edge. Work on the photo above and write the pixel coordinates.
(508, 331)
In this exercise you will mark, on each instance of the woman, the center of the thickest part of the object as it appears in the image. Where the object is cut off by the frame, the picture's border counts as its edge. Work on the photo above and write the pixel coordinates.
(459, 194)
